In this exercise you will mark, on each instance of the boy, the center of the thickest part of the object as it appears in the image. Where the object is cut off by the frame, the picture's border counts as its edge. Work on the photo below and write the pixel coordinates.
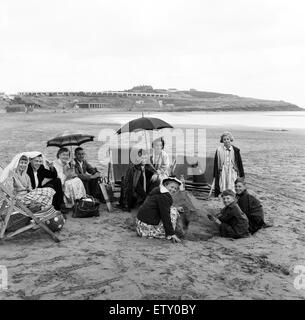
(232, 221)
(250, 206)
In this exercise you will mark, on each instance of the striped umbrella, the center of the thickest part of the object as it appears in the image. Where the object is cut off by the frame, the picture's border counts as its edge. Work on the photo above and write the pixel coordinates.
(69, 139)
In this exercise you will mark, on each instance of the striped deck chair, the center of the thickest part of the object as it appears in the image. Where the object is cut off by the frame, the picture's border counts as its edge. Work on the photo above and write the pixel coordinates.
(11, 209)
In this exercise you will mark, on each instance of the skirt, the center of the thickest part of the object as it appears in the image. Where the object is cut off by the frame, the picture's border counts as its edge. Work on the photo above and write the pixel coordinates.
(74, 189)
(156, 231)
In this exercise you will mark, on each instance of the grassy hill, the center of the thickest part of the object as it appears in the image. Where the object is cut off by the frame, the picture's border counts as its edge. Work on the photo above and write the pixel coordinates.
(176, 101)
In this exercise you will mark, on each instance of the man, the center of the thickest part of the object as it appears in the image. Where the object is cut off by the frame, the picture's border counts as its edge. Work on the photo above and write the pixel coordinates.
(42, 178)
(136, 183)
(88, 174)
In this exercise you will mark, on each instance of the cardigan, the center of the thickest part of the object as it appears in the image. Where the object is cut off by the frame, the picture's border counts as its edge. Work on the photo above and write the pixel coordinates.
(156, 208)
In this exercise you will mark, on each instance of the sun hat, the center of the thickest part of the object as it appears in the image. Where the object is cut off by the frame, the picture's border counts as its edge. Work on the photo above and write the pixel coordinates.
(171, 179)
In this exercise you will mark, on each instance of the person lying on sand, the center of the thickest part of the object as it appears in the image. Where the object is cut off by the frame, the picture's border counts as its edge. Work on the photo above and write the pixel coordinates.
(15, 177)
(136, 182)
(41, 177)
(157, 218)
(251, 206)
(88, 174)
(233, 223)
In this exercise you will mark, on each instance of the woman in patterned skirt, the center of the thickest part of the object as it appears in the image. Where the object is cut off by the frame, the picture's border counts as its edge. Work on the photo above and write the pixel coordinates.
(157, 218)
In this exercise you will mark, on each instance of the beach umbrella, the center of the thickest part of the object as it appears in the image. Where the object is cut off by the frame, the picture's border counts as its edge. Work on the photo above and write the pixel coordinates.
(143, 124)
(69, 139)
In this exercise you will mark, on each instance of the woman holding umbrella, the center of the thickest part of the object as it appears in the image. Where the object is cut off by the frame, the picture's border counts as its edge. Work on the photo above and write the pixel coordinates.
(73, 187)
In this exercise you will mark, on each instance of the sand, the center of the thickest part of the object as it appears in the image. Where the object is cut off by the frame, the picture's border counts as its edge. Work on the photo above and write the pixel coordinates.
(102, 258)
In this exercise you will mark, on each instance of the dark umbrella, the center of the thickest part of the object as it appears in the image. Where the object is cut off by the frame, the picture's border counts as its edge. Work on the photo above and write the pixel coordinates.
(144, 123)
(69, 139)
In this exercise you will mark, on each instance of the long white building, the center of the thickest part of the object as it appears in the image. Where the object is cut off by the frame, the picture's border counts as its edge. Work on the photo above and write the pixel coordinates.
(95, 94)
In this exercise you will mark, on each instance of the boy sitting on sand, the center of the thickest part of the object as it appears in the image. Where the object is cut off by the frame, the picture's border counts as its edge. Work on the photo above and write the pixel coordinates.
(232, 221)
(251, 206)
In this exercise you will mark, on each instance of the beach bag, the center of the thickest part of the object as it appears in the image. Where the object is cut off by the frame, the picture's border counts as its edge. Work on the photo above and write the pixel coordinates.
(86, 208)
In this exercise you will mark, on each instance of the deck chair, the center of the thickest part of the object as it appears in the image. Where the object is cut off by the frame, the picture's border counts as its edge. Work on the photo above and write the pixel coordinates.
(10, 206)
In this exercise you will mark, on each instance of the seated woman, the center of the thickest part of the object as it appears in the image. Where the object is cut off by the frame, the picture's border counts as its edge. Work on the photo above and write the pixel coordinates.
(160, 161)
(250, 205)
(73, 187)
(232, 221)
(136, 182)
(16, 178)
(157, 218)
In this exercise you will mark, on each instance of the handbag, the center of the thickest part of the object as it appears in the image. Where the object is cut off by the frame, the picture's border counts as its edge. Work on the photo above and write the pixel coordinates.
(86, 208)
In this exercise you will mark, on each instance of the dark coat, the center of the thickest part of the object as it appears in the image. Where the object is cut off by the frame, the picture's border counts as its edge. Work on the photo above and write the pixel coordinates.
(237, 220)
(156, 208)
(132, 185)
(253, 209)
(42, 174)
(216, 172)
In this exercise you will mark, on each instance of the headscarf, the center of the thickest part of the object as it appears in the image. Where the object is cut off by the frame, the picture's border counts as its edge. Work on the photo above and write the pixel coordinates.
(14, 163)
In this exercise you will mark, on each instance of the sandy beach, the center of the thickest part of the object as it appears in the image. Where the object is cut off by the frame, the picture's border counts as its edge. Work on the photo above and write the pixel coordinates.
(102, 258)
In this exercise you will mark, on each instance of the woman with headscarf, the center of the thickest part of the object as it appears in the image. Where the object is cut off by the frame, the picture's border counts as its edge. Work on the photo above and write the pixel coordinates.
(16, 178)
(73, 187)
(228, 165)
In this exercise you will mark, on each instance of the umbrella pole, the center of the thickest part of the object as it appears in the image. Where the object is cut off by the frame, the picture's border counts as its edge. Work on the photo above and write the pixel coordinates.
(145, 140)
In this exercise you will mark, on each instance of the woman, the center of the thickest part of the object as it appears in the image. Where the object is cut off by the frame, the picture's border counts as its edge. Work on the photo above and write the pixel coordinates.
(16, 178)
(73, 187)
(160, 161)
(228, 165)
(157, 218)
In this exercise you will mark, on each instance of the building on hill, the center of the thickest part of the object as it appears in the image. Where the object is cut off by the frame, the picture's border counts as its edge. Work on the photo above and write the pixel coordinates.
(140, 102)
(16, 108)
(92, 105)
(90, 94)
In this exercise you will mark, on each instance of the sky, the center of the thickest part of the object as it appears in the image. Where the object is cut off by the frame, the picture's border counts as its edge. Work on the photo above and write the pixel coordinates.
(253, 48)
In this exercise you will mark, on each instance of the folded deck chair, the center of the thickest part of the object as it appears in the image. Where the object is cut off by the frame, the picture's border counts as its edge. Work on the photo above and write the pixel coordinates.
(10, 207)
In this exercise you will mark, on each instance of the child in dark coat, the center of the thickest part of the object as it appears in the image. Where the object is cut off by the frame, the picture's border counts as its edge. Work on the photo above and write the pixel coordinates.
(251, 206)
(233, 223)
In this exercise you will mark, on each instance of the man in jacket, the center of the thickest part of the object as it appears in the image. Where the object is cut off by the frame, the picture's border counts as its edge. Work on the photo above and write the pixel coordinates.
(88, 174)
